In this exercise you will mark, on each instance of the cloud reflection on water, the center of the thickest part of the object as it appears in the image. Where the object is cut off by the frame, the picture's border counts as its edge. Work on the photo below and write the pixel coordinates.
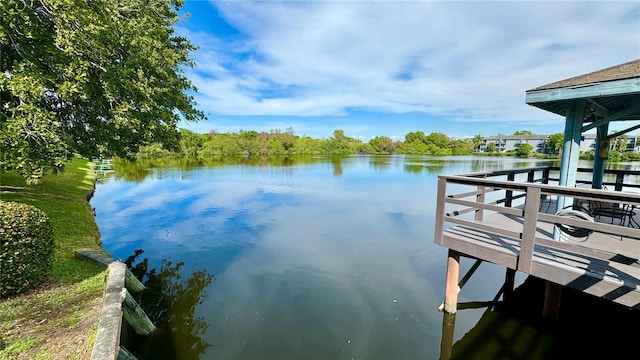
(307, 264)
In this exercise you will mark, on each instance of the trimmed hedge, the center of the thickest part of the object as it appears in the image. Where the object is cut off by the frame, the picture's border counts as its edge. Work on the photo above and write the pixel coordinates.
(26, 247)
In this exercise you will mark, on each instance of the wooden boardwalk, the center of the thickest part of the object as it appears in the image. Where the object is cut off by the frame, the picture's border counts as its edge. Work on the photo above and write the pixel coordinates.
(521, 237)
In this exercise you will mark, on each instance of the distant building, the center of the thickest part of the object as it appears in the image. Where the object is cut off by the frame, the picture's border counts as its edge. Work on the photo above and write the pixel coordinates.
(504, 143)
(633, 143)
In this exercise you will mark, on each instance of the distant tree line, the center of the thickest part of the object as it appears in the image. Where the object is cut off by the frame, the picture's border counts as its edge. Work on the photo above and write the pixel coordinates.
(264, 144)
(276, 142)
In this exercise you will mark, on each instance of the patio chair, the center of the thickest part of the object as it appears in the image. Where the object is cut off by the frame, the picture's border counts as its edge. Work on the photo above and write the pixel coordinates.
(614, 211)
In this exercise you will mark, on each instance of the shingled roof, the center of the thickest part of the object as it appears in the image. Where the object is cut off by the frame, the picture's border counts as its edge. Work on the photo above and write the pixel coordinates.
(618, 72)
(613, 92)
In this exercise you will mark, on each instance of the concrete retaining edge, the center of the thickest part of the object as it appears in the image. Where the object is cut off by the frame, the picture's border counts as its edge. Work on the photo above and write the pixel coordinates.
(119, 278)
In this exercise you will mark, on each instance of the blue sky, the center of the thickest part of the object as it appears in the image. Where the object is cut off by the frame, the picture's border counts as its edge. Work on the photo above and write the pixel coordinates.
(386, 68)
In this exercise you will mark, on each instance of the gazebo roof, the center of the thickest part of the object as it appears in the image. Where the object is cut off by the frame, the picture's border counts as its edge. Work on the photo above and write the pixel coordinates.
(612, 93)
(618, 72)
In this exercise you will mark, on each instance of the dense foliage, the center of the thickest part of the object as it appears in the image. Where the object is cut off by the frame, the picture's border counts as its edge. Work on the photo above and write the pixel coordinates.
(97, 78)
(554, 143)
(524, 150)
(278, 143)
(26, 247)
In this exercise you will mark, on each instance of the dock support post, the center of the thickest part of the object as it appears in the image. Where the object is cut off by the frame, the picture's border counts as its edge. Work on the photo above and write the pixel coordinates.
(552, 296)
(451, 283)
(509, 283)
(446, 342)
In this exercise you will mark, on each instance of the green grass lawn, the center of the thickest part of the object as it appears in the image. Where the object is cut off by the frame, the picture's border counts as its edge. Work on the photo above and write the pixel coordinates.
(66, 302)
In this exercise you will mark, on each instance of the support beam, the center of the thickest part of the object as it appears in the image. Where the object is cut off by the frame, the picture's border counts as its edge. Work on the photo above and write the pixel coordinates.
(571, 149)
(446, 341)
(602, 152)
(620, 115)
(570, 153)
(571, 145)
(451, 283)
(465, 278)
(509, 284)
(619, 133)
(552, 296)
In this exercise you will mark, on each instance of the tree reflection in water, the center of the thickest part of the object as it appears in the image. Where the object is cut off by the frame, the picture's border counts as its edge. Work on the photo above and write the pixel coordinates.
(170, 300)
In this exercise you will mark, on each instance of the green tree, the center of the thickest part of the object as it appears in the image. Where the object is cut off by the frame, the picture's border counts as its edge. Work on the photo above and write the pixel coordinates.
(553, 143)
(620, 143)
(524, 150)
(476, 141)
(462, 147)
(416, 148)
(97, 78)
(288, 140)
(308, 145)
(522, 132)
(382, 145)
(190, 142)
(339, 143)
(222, 144)
(248, 142)
(491, 147)
(414, 137)
(438, 139)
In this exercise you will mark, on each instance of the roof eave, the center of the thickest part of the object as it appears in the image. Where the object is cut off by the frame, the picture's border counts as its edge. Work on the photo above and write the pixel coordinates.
(591, 90)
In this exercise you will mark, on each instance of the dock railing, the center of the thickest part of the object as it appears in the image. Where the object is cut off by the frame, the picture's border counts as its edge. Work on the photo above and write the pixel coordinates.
(509, 217)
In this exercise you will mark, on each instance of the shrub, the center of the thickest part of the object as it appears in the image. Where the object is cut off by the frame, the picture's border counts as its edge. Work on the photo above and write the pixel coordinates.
(26, 247)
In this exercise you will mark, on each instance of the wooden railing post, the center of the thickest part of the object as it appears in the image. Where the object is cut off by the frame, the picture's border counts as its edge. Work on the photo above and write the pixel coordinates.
(479, 215)
(440, 202)
(532, 204)
(545, 175)
(509, 195)
(619, 180)
(531, 176)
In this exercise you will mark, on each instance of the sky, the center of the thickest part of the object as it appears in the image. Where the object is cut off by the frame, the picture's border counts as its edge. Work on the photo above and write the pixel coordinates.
(387, 68)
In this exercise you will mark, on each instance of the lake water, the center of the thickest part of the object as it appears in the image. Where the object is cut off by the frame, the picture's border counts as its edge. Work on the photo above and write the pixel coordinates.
(320, 258)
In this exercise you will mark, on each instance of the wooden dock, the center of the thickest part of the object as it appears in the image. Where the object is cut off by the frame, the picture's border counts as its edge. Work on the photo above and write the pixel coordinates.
(496, 218)
(102, 166)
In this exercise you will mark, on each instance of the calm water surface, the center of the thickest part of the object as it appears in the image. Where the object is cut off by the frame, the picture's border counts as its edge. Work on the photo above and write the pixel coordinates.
(318, 259)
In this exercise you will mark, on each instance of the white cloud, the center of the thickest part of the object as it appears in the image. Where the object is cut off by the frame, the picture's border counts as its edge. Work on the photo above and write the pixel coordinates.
(461, 60)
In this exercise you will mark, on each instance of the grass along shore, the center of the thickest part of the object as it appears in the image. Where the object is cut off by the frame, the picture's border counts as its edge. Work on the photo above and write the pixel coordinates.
(59, 319)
